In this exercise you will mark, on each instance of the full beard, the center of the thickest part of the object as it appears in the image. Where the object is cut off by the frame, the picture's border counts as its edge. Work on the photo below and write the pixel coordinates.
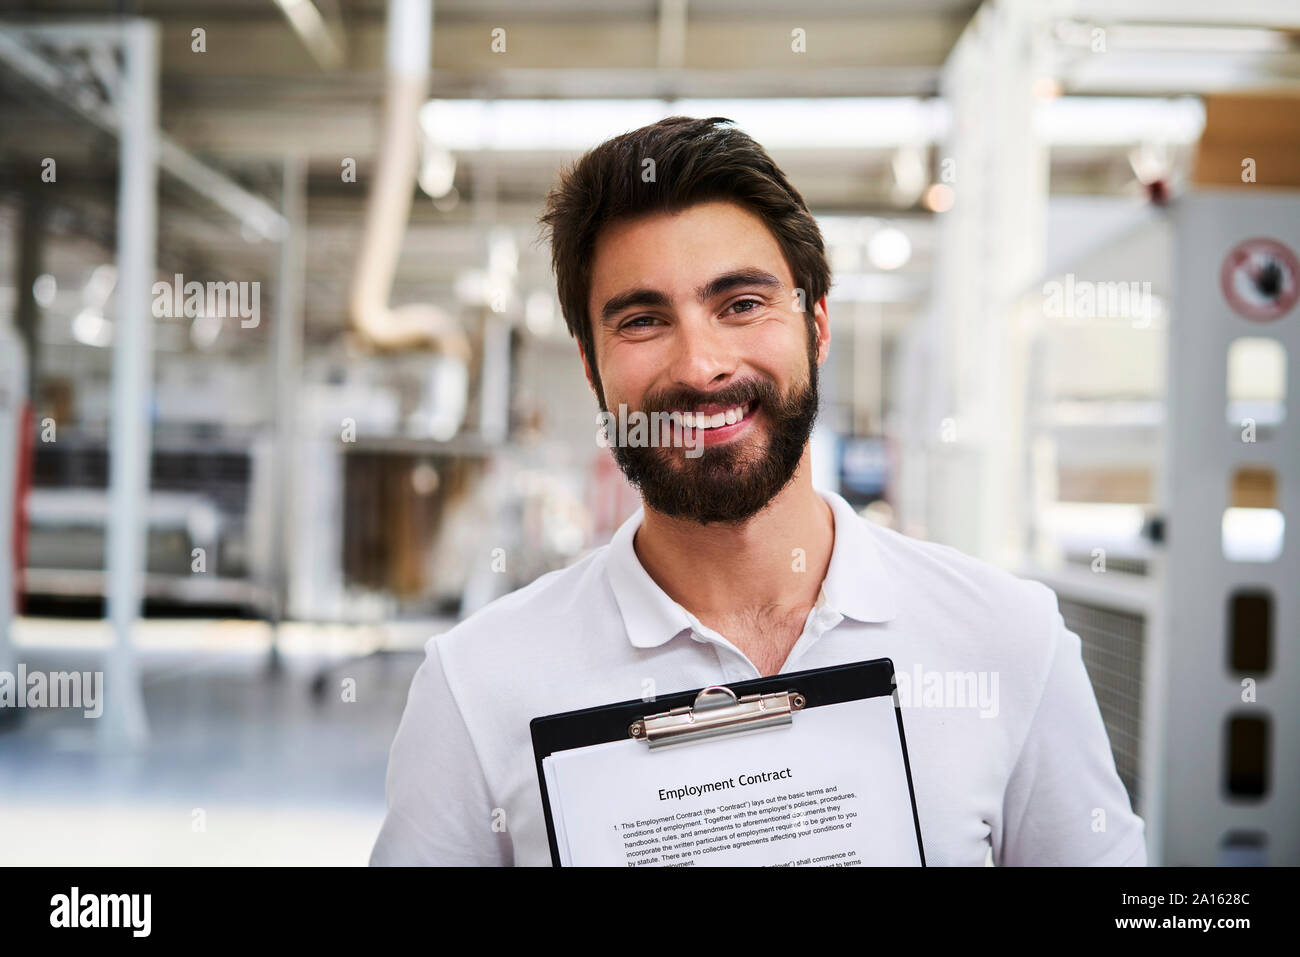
(729, 482)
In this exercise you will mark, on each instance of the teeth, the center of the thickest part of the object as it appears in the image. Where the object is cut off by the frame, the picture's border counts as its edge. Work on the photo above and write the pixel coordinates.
(699, 420)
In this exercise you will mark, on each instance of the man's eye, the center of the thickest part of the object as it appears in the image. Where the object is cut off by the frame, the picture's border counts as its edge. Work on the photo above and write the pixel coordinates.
(751, 303)
(632, 323)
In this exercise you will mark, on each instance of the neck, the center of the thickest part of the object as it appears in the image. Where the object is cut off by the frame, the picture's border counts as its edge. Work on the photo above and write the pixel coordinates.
(774, 561)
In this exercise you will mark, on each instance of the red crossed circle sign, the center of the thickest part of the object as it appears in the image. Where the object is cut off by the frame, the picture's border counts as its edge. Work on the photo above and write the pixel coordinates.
(1260, 279)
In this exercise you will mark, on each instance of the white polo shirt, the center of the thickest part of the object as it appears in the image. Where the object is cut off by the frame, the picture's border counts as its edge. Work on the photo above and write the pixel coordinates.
(1025, 767)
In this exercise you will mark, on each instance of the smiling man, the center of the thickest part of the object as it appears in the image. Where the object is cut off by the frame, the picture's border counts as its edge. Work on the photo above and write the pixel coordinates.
(694, 280)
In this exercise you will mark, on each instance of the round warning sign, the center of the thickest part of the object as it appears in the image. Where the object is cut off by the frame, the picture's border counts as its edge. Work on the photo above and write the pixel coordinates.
(1260, 279)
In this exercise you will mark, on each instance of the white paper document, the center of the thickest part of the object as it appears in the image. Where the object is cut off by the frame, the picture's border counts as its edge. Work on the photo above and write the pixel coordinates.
(830, 790)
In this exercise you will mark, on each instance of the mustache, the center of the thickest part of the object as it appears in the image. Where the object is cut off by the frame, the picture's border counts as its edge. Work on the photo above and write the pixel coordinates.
(740, 393)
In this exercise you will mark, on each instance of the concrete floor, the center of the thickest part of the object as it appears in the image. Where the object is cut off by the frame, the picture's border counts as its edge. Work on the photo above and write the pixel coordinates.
(240, 768)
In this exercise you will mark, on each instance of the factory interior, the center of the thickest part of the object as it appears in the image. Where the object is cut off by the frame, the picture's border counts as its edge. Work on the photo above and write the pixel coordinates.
(284, 375)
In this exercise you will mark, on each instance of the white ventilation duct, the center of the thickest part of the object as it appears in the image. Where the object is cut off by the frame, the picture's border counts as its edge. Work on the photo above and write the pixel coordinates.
(416, 325)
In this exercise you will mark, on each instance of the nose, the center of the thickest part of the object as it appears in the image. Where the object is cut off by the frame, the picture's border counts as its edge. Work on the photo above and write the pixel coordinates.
(703, 359)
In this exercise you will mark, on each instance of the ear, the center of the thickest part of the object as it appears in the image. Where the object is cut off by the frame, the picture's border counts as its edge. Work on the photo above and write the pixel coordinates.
(823, 323)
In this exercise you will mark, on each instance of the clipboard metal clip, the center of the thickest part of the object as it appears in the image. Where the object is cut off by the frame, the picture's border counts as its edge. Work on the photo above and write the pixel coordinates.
(717, 711)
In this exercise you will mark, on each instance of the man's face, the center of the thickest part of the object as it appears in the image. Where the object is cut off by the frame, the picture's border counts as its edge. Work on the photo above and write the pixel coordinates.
(696, 313)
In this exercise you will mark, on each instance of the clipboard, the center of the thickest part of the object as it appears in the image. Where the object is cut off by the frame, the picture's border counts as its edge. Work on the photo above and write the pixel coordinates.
(745, 707)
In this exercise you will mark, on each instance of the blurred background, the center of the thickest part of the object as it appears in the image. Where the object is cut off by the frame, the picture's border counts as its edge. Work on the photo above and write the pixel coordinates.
(285, 390)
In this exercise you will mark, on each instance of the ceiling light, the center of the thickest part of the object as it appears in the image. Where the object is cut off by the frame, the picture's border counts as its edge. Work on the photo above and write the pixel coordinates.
(92, 329)
(567, 125)
(908, 168)
(44, 289)
(539, 312)
(437, 170)
(938, 198)
(889, 248)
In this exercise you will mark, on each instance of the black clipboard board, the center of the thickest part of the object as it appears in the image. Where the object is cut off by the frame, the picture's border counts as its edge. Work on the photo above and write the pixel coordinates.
(818, 687)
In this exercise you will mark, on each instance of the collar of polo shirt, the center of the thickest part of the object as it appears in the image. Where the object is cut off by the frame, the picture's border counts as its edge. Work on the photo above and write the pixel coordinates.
(856, 586)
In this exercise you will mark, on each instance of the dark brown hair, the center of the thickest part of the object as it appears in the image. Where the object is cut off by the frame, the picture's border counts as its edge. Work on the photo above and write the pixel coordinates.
(695, 161)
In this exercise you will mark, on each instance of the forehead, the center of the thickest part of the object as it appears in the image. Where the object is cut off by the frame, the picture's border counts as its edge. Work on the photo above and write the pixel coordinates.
(677, 251)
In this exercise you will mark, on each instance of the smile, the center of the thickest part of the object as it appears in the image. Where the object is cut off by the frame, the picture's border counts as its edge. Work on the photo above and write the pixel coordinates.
(712, 419)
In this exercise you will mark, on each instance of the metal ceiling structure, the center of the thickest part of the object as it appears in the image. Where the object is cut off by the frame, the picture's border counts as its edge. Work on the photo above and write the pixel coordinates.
(263, 84)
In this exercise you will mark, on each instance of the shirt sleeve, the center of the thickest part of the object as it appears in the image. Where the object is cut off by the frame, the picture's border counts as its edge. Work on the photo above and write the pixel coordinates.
(1065, 803)
(440, 811)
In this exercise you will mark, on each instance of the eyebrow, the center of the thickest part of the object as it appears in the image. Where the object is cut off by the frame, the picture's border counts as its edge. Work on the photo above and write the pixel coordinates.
(734, 280)
(715, 287)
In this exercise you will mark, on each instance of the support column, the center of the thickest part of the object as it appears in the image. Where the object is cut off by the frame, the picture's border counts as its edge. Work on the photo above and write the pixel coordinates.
(124, 723)
(31, 242)
(286, 356)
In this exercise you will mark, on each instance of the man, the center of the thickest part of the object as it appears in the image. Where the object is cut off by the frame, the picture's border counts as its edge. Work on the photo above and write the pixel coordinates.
(694, 280)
